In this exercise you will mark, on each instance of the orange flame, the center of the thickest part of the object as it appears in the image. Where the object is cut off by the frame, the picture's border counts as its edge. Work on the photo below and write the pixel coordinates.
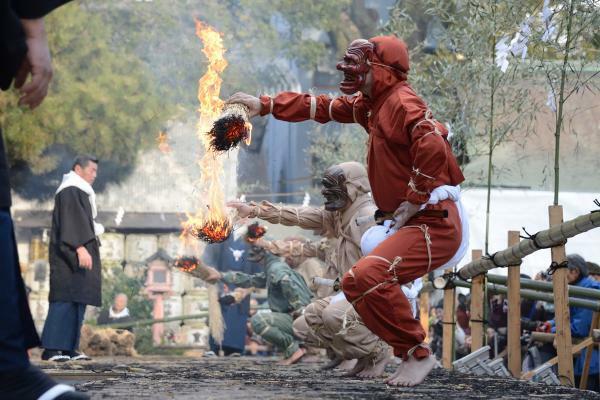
(211, 223)
(187, 263)
(163, 142)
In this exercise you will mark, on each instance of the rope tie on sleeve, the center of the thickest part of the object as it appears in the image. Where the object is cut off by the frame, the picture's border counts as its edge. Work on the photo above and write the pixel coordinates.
(331, 109)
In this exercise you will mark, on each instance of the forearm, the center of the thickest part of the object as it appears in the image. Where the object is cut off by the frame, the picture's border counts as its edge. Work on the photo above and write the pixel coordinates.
(303, 217)
(243, 280)
(296, 107)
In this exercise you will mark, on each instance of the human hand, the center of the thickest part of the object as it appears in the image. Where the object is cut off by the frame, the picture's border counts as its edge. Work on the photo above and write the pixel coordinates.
(240, 294)
(37, 63)
(244, 210)
(84, 257)
(253, 103)
(403, 213)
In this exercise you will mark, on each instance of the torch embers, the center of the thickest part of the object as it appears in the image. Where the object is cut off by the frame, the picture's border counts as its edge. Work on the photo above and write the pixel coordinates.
(255, 232)
(230, 128)
(187, 263)
(194, 267)
(213, 231)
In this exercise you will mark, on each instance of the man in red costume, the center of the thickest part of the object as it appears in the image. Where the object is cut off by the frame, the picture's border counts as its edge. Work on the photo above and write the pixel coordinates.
(408, 157)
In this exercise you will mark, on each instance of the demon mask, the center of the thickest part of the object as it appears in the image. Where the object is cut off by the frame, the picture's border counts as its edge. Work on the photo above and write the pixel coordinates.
(355, 65)
(334, 189)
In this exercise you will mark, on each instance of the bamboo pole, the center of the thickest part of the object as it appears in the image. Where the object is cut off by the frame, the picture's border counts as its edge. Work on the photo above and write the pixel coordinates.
(448, 328)
(424, 310)
(150, 321)
(561, 305)
(551, 237)
(533, 295)
(514, 312)
(588, 354)
(574, 291)
(477, 307)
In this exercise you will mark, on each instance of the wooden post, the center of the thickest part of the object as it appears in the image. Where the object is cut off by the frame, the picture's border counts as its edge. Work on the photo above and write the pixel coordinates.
(424, 310)
(514, 312)
(448, 322)
(561, 306)
(477, 306)
(588, 354)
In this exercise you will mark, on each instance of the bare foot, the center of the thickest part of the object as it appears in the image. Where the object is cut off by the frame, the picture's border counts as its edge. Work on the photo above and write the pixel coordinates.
(376, 366)
(332, 364)
(294, 358)
(347, 365)
(361, 364)
(412, 372)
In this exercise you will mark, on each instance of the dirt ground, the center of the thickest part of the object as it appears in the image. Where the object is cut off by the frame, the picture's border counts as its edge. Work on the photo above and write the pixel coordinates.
(259, 378)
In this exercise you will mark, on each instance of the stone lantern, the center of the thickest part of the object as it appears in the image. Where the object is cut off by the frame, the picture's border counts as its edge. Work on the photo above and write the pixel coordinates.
(158, 285)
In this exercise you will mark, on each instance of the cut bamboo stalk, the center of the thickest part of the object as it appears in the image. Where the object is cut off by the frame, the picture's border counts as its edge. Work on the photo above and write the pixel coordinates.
(588, 354)
(574, 291)
(551, 237)
(448, 329)
(477, 307)
(514, 312)
(562, 318)
(424, 310)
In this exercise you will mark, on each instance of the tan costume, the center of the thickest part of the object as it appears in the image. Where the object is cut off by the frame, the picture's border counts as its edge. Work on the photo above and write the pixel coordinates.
(325, 324)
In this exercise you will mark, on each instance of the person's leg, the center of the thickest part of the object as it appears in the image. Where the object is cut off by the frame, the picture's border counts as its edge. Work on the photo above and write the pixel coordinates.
(373, 286)
(18, 378)
(276, 328)
(312, 322)
(80, 312)
(15, 318)
(351, 339)
(60, 328)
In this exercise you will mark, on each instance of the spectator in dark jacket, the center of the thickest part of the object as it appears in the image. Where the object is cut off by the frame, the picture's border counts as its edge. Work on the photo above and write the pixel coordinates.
(117, 313)
(24, 54)
(581, 319)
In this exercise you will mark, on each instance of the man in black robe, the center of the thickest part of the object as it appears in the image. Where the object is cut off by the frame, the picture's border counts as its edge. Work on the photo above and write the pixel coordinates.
(23, 53)
(75, 268)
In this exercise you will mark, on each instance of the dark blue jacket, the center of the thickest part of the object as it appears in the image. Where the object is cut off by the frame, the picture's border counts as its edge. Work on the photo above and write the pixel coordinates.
(581, 321)
(231, 255)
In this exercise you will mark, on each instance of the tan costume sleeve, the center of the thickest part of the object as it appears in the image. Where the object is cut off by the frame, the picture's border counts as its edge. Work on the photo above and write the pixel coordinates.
(315, 219)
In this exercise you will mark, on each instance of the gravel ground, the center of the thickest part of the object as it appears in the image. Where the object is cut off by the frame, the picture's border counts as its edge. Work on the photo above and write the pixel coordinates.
(259, 378)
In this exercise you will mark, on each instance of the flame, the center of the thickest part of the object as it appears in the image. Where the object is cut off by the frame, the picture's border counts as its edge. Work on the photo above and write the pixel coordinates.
(255, 232)
(163, 142)
(187, 263)
(212, 223)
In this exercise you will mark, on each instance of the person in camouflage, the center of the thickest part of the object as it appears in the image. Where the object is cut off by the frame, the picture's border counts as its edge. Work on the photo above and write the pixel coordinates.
(287, 295)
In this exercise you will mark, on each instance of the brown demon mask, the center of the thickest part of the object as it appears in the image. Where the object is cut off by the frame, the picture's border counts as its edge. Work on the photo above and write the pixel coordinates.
(355, 65)
(334, 189)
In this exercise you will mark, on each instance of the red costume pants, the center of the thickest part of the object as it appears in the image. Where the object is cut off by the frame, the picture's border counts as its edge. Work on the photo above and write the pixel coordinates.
(373, 284)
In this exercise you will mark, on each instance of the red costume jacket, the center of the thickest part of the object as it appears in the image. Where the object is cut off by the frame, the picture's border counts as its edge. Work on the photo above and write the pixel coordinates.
(407, 158)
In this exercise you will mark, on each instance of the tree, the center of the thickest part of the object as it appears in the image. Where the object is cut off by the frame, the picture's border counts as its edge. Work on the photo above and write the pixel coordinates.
(459, 71)
(123, 68)
(103, 101)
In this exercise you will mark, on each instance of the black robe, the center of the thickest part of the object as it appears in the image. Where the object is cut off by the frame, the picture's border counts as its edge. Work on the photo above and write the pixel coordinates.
(72, 226)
